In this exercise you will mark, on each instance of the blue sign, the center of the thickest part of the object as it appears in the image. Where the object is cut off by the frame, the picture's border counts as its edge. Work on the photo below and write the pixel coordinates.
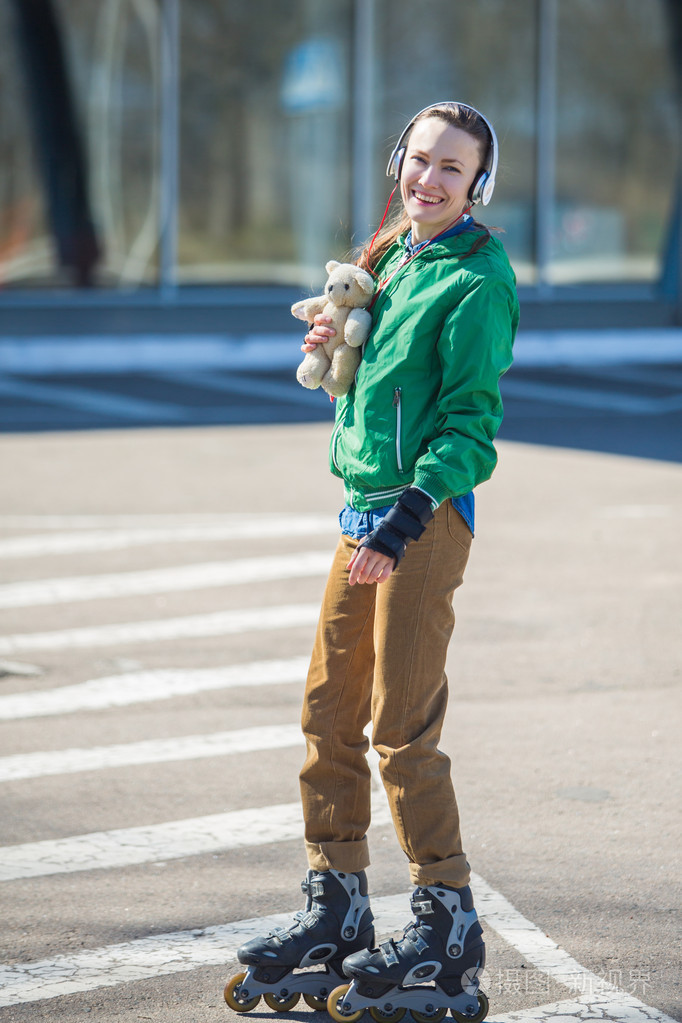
(313, 77)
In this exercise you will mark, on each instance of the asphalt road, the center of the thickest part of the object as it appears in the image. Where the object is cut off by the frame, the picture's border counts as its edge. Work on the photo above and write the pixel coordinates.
(149, 763)
(178, 696)
(623, 409)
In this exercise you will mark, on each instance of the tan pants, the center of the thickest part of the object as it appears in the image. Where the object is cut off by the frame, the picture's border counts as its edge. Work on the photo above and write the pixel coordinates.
(379, 655)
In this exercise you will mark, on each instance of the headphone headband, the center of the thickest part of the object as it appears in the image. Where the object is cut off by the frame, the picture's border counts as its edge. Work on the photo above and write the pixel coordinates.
(484, 183)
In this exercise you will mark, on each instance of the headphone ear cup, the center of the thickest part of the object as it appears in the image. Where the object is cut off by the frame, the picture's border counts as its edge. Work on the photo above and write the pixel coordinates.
(478, 186)
(398, 163)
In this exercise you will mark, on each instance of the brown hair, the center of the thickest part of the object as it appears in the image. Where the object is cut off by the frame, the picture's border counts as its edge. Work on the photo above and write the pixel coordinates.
(458, 116)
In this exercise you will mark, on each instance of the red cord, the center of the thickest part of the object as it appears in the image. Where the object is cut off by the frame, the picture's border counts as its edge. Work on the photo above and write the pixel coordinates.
(387, 280)
(374, 237)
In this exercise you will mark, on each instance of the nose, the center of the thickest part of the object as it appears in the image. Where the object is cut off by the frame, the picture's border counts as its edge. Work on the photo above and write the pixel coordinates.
(429, 175)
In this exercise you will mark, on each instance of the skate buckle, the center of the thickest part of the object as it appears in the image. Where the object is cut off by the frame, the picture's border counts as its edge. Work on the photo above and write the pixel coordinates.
(417, 940)
(312, 889)
(421, 905)
(387, 950)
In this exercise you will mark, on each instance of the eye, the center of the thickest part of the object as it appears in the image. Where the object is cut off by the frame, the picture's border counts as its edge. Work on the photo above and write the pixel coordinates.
(455, 170)
(346, 286)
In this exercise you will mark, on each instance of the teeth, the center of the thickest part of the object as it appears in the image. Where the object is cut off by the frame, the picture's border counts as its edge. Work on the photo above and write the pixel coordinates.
(426, 198)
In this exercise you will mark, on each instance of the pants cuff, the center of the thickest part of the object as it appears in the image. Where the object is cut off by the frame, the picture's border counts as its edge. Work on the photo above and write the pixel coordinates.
(454, 872)
(350, 857)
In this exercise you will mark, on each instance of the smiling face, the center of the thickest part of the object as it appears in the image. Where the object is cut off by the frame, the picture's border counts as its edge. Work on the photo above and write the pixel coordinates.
(438, 170)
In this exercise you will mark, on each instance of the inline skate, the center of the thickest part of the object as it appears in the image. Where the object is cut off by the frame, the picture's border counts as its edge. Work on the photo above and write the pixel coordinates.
(435, 966)
(336, 921)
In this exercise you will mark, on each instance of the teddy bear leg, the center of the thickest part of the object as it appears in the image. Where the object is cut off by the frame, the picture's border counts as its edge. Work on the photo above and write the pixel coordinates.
(312, 369)
(339, 378)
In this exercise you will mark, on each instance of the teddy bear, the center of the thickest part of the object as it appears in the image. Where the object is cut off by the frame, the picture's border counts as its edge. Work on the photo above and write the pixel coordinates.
(347, 293)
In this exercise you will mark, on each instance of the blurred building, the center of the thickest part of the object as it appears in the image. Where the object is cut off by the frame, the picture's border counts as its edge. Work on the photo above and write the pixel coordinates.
(155, 153)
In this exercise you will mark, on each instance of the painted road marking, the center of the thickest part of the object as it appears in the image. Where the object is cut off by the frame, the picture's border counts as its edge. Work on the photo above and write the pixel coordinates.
(239, 527)
(183, 951)
(116, 521)
(217, 623)
(172, 840)
(93, 401)
(149, 751)
(146, 686)
(286, 391)
(147, 353)
(164, 580)
(583, 397)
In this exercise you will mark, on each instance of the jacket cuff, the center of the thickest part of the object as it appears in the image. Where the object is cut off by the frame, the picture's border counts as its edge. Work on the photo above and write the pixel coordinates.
(431, 486)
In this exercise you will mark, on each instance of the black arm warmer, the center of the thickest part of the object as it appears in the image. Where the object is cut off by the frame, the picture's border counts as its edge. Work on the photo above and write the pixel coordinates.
(406, 521)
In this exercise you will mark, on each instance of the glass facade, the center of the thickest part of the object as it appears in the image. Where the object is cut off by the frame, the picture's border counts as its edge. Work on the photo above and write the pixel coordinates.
(616, 141)
(79, 177)
(265, 138)
(448, 52)
(162, 143)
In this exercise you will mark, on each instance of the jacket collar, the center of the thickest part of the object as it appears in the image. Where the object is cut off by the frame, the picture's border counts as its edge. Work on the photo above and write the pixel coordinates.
(451, 245)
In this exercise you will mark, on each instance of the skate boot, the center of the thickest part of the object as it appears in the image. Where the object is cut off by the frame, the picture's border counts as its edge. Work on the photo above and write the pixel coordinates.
(336, 921)
(435, 966)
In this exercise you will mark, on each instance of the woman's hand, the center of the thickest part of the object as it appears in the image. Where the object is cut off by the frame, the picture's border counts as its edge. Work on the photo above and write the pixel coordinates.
(367, 566)
(318, 334)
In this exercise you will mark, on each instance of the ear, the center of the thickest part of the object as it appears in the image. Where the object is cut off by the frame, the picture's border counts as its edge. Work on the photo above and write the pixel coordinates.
(331, 265)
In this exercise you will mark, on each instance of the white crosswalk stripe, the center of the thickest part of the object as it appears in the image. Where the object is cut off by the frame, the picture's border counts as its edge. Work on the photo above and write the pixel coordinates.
(145, 686)
(149, 751)
(219, 623)
(123, 847)
(254, 527)
(164, 580)
(106, 850)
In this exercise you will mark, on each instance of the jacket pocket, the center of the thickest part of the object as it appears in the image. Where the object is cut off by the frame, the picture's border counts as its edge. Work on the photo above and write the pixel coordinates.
(457, 527)
(334, 441)
(398, 406)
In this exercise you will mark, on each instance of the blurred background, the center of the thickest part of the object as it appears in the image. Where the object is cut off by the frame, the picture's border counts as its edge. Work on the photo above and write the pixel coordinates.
(173, 175)
(155, 153)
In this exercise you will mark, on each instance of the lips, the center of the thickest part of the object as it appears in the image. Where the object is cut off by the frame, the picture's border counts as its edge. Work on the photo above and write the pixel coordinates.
(431, 200)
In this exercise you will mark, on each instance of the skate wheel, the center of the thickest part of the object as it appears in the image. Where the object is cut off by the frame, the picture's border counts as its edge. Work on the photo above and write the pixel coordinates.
(483, 1006)
(315, 1002)
(280, 1004)
(428, 1017)
(386, 1017)
(334, 1003)
(235, 999)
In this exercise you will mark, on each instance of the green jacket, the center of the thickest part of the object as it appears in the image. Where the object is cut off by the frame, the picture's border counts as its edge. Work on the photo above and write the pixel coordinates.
(425, 405)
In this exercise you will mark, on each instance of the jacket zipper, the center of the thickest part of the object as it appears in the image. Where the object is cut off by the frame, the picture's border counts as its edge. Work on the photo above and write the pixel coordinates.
(397, 405)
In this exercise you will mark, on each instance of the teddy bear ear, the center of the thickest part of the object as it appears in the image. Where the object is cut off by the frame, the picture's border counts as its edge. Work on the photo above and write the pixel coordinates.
(331, 265)
(366, 283)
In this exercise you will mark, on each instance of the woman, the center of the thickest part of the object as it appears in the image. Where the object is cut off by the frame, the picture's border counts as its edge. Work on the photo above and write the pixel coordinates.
(412, 439)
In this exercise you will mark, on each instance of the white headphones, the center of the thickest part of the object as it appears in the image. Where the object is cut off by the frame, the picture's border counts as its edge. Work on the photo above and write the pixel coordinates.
(484, 182)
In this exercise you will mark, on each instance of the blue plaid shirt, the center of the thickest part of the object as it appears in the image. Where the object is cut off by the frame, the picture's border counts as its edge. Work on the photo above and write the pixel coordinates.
(360, 524)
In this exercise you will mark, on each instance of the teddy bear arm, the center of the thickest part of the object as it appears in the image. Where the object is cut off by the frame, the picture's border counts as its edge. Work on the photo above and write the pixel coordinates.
(358, 326)
(308, 308)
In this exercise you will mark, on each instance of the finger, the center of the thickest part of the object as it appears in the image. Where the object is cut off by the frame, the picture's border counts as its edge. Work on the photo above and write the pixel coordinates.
(357, 566)
(367, 570)
(385, 573)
